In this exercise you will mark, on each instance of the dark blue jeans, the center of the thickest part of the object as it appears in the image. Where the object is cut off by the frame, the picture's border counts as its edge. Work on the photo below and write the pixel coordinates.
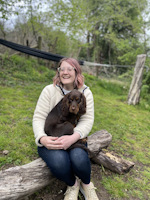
(66, 164)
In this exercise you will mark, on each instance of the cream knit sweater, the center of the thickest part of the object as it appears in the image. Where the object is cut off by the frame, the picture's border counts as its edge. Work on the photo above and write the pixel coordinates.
(49, 97)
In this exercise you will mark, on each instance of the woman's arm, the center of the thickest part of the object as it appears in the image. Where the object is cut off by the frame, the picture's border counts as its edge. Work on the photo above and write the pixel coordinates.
(41, 111)
(40, 114)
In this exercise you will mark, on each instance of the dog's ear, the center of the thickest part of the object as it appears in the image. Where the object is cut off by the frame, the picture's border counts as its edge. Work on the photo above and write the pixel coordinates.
(82, 107)
(65, 105)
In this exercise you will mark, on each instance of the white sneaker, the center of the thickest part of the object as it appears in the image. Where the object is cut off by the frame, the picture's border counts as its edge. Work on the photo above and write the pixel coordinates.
(72, 192)
(89, 192)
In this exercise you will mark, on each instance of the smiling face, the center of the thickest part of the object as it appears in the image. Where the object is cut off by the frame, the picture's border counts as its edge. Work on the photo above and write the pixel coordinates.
(67, 75)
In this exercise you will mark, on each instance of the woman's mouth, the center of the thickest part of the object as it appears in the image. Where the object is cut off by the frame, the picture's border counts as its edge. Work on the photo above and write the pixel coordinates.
(66, 77)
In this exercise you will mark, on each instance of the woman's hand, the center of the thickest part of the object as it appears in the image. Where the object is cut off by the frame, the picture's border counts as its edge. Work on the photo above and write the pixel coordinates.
(68, 140)
(51, 142)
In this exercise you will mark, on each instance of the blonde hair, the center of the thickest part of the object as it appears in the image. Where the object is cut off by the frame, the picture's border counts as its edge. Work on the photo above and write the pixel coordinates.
(79, 80)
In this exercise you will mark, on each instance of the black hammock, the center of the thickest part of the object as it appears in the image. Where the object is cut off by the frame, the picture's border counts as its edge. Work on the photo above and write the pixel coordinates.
(34, 52)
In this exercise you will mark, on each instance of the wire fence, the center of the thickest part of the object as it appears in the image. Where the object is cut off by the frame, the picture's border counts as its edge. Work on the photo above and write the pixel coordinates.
(115, 72)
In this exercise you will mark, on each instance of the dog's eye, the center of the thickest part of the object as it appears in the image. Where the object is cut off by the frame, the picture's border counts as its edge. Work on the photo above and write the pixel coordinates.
(78, 100)
(70, 100)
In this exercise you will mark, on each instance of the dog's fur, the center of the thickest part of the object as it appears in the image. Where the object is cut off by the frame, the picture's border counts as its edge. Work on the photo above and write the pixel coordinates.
(64, 117)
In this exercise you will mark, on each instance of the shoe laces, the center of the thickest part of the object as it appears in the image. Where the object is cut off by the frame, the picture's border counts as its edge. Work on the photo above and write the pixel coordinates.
(71, 191)
(91, 193)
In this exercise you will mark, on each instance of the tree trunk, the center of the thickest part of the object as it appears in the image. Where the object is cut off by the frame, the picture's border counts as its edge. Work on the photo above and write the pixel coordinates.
(109, 53)
(113, 162)
(27, 43)
(80, 48)
(88, 48)
(39, 46)
(54, 45)
(21, 181)
(135, 88)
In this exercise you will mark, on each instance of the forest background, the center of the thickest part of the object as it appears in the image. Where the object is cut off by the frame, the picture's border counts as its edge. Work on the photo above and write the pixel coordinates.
(110, 32)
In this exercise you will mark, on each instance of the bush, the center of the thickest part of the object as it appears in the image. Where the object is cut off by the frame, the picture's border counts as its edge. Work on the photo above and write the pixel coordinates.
(146, 80)
(145, 92)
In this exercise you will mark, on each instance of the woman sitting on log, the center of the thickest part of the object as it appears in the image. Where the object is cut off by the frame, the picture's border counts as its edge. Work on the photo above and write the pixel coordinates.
(70, 166)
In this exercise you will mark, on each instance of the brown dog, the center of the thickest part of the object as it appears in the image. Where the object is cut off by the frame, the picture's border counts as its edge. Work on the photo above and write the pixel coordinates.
(64, 117)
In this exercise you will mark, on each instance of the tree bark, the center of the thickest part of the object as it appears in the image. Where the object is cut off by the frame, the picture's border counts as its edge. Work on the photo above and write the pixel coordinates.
(88, 48)
(113, 162)
(21, 181)
(99, 140)
(39, 45)
(80, 48)
(135, 88)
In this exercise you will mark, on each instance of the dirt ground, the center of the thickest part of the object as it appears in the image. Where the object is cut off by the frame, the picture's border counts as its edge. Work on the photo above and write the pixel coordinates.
(56, 190)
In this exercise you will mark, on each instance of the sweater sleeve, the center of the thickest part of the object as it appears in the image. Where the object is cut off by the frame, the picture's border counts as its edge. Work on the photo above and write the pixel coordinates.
(40, 114)
(86, 121)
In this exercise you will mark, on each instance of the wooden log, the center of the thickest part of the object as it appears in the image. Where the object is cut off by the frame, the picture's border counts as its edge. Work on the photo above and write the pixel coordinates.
(21, 181)
(99, 140)
(113, 162)
(135, 88)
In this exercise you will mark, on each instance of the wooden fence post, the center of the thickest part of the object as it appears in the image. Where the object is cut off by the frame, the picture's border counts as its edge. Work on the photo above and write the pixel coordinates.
(135, 87)
(39, 45)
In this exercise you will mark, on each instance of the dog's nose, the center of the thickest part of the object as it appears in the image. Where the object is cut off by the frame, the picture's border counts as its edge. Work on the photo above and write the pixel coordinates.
(73, 108)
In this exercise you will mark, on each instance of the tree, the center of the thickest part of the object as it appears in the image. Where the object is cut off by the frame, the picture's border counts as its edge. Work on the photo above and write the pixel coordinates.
(10, 7)
(104, 25)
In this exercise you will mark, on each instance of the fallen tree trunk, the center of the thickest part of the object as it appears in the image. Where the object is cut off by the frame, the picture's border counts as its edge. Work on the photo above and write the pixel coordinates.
(21, 181)
(113, 162)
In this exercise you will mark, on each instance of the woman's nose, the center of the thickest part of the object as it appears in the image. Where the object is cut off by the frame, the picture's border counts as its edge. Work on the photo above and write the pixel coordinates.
(65, 71)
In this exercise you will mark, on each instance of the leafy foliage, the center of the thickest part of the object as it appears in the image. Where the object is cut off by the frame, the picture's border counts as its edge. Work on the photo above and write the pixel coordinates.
(112, 28)
(146, 80)
(7, 8)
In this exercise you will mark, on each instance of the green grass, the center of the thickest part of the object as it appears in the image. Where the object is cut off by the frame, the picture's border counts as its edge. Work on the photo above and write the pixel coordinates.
(22, 81)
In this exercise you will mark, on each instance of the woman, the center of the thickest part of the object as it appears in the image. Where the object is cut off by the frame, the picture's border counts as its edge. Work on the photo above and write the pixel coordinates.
(71, 166)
